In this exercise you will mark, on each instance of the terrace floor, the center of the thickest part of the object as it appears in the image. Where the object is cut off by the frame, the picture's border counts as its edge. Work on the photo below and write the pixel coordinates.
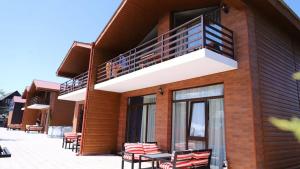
(36, 151)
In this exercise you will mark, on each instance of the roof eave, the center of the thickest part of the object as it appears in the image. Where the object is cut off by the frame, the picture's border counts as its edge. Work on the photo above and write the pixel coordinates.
(75, 44)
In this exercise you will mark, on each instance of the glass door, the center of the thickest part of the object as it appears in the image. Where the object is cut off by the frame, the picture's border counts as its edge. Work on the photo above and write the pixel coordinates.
(198, 121)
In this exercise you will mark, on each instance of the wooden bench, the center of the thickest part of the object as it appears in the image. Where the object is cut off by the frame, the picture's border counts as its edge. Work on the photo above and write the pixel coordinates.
(4, 153)
(132, 151)
(33, 128)
(69, 138)
(14, 126)
(76, 144)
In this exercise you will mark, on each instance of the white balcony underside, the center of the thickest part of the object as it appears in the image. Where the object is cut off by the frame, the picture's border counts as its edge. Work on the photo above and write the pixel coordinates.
(39, 106)
(78, 95)
(195, 64)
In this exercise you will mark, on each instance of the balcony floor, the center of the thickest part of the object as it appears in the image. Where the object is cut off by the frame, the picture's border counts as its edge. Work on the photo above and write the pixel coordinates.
(38, 106)
(78, 95)
(195, 64)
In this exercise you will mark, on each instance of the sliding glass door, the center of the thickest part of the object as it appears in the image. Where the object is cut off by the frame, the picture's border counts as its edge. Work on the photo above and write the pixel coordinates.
(141, 119)
(198, 121)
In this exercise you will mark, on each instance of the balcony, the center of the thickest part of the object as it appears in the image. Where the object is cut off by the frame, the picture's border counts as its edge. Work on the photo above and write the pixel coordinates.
(74, 89)
(38, 102)
(197, 48)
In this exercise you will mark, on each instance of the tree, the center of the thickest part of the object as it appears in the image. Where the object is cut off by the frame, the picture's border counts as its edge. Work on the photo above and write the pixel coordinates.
(292, 125)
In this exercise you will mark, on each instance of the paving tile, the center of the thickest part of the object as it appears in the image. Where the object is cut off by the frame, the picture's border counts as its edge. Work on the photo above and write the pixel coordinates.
(38, 151)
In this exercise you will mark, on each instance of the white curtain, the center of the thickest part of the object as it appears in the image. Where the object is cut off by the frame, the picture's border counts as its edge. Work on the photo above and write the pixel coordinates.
(143, 126)
(179, 126)
(151, 123)
(216, 136)
(199, 92)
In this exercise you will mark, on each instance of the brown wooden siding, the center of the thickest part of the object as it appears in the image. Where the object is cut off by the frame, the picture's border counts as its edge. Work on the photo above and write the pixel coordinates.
(279, 94)
(100, 123)
(61, 111)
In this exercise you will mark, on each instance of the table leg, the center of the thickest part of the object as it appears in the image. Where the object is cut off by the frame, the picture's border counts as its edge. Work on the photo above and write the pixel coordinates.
(152, 164)
(140, 166)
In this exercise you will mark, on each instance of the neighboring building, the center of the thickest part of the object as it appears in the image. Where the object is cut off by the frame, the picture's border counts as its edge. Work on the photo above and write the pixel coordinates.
(43, 108)
(75, 66)
(16, 110)
(192, 74)
(5, 102)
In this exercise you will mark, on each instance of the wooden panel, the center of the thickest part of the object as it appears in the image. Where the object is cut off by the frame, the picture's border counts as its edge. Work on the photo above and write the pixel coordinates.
(100, 123)
(62, 111)
(279, 93)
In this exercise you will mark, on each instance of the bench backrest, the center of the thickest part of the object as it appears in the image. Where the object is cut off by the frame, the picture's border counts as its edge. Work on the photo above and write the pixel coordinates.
(141, 148)
(195, 158)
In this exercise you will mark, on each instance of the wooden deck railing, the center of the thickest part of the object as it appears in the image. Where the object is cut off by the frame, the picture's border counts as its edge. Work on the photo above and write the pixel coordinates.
(76, 83)
(198, 33)
(39, 100)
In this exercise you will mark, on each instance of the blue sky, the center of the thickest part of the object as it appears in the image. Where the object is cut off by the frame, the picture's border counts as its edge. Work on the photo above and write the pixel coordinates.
(35, 35)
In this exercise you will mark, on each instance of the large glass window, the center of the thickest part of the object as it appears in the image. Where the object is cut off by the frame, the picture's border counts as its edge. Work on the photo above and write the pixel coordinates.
(141, 119)
(198, 121)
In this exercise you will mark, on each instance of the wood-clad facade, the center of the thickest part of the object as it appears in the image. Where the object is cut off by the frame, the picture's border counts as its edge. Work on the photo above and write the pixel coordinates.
(261, 87)
(277, 59)
(53, 112)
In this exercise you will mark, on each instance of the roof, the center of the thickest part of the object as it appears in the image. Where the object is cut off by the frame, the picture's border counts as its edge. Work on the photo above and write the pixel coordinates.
(134, 19)
(18, 99)
(27, 88)
(16, 93)
(40, 85)
(76, 61)
(290, 10)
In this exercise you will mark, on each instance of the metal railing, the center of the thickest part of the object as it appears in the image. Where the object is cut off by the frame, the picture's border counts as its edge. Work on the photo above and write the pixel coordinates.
(39, 100)
(200, 32)
(76, 83)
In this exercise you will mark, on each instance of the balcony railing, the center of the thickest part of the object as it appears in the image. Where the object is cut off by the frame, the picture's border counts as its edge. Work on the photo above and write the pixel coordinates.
(39, 100)
(198, 33)
(76, 83)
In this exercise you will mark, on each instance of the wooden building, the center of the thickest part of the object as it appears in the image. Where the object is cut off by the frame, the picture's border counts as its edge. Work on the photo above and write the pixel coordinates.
(192, 74)
(16, 111)
(75, 66)
(44, 109)
(5, 103)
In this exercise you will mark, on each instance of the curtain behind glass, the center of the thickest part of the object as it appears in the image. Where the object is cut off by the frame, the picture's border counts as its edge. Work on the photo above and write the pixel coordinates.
(216, 136)
(143, 125)
(199, 92)
(179, 126)
(151, 123)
